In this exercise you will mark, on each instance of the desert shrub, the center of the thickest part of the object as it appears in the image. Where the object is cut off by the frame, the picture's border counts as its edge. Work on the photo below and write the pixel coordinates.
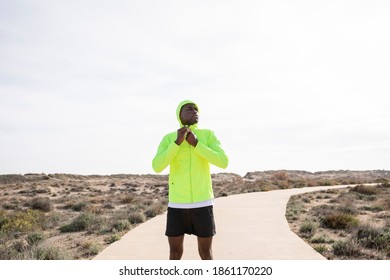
(365, 197)
(94, 209)
(77, 189)
(382, 181)
(346, 248)
(113, 238)
(85, 221)
(136, 218)
(11, 206)
(281, 176)
(122, 225)
(127, 199)
(323, 210)
(366, 190)
(320, 248)
(49, 253)
(23, 221)
(385, 185)
(294, 208)
(376, 238)
(8, 253)
(154, 210)
(52, 220)
(97, 200)
(20, 245)
(348, 209)
(321, 239)
(376, 208)
(366, 231)
(308, 228)
(299, 184)
(339, 220)
(94, 249)
(12, 179)
(80, 206)
(327, 183)
(40, 189)
(34, 238)
(108, 206)
(91, 248)
(147, 201)
(282, 184)
(42, 203)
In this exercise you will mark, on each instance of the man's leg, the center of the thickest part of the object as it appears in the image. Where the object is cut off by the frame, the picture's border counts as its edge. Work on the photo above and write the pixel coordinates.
(204, 248)
(175, 247)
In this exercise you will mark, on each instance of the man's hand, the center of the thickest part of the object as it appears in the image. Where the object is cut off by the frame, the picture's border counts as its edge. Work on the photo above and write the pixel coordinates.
(191, 138)
(181, 135)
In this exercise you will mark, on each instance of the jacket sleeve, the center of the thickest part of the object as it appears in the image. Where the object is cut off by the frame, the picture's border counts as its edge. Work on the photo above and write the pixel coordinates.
(166, 151)
(212, 152)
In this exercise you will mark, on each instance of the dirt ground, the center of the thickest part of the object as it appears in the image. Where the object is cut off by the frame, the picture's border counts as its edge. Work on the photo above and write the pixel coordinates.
(351, 223)
(65, 216)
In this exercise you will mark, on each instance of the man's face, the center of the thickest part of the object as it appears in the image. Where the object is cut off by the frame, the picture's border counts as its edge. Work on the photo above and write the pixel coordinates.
(189, 114)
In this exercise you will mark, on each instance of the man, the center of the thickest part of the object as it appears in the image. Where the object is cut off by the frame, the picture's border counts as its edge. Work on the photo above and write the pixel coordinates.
(189, 152)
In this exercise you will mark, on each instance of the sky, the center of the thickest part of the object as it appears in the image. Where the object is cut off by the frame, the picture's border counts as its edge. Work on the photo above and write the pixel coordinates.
(92, 86)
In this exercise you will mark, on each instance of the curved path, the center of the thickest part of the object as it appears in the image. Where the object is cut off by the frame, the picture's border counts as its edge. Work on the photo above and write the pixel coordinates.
(249, 227)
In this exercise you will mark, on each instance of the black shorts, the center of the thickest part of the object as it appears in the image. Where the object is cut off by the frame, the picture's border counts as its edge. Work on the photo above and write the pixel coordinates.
(197, 221)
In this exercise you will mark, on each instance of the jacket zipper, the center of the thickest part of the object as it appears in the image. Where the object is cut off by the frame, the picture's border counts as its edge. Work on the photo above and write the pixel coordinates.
(192, 195)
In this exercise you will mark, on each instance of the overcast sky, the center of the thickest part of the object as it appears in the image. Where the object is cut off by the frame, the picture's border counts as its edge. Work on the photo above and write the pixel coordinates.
(91, 87)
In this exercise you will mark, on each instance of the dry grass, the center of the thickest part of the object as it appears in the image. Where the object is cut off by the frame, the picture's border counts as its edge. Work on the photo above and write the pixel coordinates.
(73, 217)
(353, 223)
(64, 216)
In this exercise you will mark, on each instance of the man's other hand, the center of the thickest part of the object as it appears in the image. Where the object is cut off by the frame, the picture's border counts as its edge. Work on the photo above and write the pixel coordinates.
(191, 138)
(181, 135)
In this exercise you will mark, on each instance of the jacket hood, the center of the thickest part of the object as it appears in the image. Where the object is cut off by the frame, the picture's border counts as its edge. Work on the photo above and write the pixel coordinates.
(179, 109)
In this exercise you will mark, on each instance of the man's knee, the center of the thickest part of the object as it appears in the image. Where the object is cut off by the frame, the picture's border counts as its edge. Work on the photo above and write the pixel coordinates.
(175, 248)
(175, 254)
(205, 248)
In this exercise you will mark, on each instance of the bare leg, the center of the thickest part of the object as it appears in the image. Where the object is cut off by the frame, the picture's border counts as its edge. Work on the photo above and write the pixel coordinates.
(204, 248)
(175, 247)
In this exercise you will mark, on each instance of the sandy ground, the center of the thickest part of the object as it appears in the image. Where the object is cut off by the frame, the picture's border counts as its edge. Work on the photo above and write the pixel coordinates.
(120, 204)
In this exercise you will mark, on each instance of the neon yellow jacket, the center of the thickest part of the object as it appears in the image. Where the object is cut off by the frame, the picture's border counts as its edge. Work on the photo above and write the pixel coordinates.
(189, 176)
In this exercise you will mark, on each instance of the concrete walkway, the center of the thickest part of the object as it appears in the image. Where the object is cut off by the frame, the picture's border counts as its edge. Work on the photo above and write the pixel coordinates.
(249, 227)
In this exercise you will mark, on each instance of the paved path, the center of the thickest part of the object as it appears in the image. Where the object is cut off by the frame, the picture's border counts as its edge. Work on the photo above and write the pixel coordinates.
(249, 227)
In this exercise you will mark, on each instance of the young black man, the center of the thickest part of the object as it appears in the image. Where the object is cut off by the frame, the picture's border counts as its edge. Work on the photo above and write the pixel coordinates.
(189, 152)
